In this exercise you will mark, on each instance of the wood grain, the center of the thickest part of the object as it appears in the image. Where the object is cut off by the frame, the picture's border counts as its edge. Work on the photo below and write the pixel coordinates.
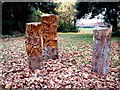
(33, 42)
(49, 30)
(101, 50)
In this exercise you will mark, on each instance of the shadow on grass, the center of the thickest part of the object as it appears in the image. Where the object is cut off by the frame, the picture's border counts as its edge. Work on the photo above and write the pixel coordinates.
(12, 36)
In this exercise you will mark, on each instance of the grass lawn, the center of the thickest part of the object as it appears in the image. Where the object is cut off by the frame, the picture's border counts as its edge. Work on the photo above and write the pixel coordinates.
(86, 29)
(84, 35)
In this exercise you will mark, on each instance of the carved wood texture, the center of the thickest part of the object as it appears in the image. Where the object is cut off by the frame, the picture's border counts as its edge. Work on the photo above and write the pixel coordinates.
(49, 28)
(41, 40)
(33, 41)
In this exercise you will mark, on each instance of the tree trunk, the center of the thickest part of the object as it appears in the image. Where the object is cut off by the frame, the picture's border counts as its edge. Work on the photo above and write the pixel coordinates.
(49, 28)
(101, 49)
(33, 41)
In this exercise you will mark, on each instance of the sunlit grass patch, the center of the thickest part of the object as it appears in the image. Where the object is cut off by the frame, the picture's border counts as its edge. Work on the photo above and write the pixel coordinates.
(86, 29)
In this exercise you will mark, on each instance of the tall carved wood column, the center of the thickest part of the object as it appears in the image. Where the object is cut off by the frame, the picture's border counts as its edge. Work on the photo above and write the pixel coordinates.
(33, 41)
(101, 49)
(49, 29)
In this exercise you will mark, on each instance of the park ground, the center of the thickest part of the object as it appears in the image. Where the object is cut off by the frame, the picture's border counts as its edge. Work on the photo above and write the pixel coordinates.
(71, 70)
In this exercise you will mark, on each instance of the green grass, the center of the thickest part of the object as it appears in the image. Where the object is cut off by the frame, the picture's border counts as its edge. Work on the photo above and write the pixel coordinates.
(86, 29)
(117, 77)
(84, 37)
(75, 38)
(116, 39)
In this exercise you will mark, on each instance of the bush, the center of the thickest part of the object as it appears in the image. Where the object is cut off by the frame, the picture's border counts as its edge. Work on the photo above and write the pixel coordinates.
(118, 25)
(8, 26)
(66, 27)
(35, 16)
(116, 33)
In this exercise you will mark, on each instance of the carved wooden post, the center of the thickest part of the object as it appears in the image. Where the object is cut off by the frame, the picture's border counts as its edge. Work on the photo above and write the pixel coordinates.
(49, 28)
(33, 41)
(101, 49)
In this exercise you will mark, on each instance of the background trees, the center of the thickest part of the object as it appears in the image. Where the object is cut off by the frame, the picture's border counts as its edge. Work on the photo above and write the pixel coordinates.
(66, 16)
(15, 15)
(66, 11)
(111, 9)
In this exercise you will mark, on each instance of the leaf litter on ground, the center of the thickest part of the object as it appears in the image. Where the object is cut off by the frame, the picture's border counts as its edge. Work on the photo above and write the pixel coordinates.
(71, 70)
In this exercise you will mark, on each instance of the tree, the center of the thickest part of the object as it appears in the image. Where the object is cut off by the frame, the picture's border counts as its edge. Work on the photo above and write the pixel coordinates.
(111, 9)
(46, 7)
(16, 15)
(66, 16)
(82, 9)
(66, 11)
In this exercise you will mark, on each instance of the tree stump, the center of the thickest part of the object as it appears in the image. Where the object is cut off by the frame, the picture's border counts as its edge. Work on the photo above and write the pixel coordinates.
(33, 41)
(49, 34)
(101, 49)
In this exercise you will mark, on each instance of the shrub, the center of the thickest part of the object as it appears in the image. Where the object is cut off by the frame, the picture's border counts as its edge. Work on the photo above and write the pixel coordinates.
(118, 25)
(116, 33)
(35, 16)
(66, 27)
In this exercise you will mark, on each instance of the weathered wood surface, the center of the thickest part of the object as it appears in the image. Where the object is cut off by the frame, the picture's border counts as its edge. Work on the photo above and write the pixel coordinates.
(33, 41)
(101, 49)
(49, 33)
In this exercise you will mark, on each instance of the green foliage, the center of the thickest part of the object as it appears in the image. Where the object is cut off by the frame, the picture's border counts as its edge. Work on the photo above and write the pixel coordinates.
(111, 10)
(47, 7)
(36, 15)
(8, 25)
(116, 33)
(66, 11)
(82, 8)
(66, 27)
(66, 17)
(118, 25)
(15, 15)
(117, 77)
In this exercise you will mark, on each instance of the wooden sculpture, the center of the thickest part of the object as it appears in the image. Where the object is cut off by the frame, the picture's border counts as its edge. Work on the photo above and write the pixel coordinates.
(33, 41)
(101, 49)
(41, 40)
(49, 34)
